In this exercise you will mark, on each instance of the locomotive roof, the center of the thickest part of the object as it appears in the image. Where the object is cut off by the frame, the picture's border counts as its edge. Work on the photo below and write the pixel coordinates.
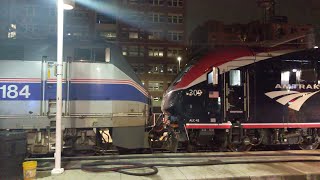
(227, 58)
(120, 62)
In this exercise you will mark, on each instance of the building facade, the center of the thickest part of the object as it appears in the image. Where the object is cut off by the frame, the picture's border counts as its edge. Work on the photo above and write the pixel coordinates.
(150, 33)
(213, 34)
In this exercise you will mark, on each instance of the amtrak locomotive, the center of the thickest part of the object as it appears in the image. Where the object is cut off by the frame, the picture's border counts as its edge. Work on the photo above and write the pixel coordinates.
(98, 97)
(240, 97)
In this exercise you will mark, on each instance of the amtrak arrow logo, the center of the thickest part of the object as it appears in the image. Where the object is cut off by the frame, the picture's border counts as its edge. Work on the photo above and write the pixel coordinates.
(295, 98)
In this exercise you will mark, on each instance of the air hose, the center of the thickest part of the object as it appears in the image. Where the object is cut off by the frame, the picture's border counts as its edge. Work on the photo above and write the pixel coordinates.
(94, 167)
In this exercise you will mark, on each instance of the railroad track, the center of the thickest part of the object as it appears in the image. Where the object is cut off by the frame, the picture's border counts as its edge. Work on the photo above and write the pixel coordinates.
(124, 163)
(114, 151)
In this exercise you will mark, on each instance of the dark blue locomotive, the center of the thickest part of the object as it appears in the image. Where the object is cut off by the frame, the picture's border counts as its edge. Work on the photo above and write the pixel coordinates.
(239, 97)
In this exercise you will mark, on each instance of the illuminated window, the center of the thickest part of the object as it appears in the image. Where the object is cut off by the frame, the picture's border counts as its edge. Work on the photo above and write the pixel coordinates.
(285, 76)
(155, 85)
(235, 77)
(213, 76)
(155, 51)
(155, 69)
(175, 18)
(124, 50)
(12, 33)
(161, 68)
(108, 35)
(133, 35)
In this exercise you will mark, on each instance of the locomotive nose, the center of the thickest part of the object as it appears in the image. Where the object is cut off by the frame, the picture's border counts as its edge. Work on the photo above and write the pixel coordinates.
(169, 103)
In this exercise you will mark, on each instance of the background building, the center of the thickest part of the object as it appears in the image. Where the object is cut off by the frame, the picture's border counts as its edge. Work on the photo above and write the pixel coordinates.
(216, 34)
(234, 11)
(151, 34)
(271, 30)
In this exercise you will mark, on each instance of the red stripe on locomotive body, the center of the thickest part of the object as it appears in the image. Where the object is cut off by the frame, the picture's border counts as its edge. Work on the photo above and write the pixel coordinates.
(253, 125)
(215, 58)
(20, 80)
(279, 125)
(209, 126)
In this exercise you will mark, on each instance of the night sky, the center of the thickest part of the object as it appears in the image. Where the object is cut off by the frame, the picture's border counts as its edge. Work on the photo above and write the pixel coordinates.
(244, 11)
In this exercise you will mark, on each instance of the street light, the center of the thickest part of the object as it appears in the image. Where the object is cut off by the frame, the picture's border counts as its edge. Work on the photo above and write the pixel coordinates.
(68, 4)
(57, 155)
(179, 59)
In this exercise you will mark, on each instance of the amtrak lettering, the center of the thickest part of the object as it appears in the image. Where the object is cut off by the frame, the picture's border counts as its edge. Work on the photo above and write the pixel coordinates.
(294, 99)
(297, 86)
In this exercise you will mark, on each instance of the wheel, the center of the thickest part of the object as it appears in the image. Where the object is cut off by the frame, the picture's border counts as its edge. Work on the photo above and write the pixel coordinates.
(307, 145)
(239, 147)
(311, 141)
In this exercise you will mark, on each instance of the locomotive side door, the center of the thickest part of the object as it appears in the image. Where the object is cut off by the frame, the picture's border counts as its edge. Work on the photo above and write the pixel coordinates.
(235, 95)
(213, 102)
(50, 89)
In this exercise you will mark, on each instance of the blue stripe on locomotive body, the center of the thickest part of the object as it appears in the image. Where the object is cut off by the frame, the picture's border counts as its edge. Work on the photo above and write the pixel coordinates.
(51, 91)
(122, 92)
(80, 91)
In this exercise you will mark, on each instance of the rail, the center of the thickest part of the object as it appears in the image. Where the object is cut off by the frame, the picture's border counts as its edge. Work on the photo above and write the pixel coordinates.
(202, 160)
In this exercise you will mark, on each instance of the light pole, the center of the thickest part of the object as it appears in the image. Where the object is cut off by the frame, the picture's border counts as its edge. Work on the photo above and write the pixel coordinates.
(179, 59)
(57, 155)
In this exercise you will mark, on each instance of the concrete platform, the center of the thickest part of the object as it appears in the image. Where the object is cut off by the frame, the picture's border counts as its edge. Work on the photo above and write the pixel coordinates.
(243, 171)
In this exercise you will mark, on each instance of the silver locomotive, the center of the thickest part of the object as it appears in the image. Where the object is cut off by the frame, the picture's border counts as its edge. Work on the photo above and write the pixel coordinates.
(97, 97)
